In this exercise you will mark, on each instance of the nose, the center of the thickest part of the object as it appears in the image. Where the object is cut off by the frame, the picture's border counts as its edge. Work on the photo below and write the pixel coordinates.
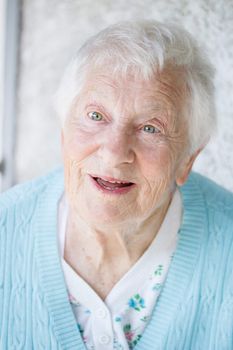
(117, 148)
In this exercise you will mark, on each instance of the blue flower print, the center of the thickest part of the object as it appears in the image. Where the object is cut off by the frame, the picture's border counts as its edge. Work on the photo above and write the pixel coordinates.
(118, 319)
(136, 302)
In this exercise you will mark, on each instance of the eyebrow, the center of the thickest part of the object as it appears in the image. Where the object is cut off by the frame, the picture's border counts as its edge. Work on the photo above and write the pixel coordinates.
(93, 103)
(162, 117)
(155, 120)
(154, 108)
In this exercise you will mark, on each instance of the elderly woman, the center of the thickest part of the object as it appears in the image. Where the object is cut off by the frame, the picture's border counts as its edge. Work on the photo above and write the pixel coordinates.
(127, 249)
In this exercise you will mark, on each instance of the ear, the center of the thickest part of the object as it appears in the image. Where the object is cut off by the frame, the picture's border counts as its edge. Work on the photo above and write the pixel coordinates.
(185, 169)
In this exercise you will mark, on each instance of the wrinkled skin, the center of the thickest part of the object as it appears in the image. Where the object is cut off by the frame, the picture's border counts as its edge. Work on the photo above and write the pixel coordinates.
(106, 234)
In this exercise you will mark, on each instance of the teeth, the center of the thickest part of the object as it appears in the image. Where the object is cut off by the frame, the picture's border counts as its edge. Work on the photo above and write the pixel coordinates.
(114, 182)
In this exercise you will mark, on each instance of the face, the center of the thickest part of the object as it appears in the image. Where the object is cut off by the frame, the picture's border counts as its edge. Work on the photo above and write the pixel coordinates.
(125, 130)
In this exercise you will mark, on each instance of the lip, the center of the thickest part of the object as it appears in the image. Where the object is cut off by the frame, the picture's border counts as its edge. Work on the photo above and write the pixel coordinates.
(118, 191)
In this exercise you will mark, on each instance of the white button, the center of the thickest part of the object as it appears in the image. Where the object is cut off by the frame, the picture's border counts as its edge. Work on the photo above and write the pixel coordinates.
(101, 313)
(104, 339)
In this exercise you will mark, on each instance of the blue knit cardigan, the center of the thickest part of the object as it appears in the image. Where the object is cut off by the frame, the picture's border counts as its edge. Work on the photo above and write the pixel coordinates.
(194, 310)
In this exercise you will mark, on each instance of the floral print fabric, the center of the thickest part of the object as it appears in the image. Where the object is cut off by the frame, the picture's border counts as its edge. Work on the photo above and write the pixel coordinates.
(118, 322)
(131, 320)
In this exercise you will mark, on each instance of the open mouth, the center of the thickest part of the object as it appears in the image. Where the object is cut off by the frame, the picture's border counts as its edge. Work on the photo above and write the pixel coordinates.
(111, 185)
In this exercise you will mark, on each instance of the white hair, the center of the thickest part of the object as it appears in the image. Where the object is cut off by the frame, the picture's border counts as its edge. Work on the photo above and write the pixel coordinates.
(144, 48)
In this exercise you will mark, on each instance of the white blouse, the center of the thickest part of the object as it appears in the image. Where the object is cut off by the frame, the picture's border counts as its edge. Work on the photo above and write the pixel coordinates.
(118, 322)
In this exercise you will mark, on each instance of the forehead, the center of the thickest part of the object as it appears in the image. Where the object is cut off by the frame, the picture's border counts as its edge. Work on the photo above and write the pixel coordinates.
(164, 91)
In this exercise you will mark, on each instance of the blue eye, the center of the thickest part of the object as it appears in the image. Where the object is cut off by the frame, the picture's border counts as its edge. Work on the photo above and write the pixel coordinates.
(151, 129)
(95, 116)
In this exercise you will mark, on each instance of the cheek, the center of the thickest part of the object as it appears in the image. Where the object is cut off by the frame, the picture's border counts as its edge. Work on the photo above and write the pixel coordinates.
(79, 145)
(72, 172)
(74, 154)
(157, 162)
(158, 173)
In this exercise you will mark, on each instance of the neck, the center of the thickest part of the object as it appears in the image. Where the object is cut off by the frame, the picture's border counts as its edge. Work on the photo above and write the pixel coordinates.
(111, 245)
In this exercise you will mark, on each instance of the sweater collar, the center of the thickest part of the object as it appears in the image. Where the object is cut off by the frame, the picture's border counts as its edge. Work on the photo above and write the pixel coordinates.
(176, 285)
(181, 271)
(49, 265)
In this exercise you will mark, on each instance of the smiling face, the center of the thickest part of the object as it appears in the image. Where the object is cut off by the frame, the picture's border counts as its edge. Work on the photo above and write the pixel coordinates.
(125, 130)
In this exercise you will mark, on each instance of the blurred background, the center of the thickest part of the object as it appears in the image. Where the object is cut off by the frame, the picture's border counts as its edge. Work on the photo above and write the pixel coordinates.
(37, 39)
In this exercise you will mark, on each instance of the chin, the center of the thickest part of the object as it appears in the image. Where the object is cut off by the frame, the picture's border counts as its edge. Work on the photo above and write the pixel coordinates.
(109, 215)
(105, 213)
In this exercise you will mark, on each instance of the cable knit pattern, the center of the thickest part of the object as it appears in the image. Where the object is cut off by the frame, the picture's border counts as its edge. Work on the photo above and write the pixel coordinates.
(194, 310)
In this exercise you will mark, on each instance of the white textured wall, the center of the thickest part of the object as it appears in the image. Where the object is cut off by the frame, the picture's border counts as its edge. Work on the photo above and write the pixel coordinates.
(52, 30)
(2, 45)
